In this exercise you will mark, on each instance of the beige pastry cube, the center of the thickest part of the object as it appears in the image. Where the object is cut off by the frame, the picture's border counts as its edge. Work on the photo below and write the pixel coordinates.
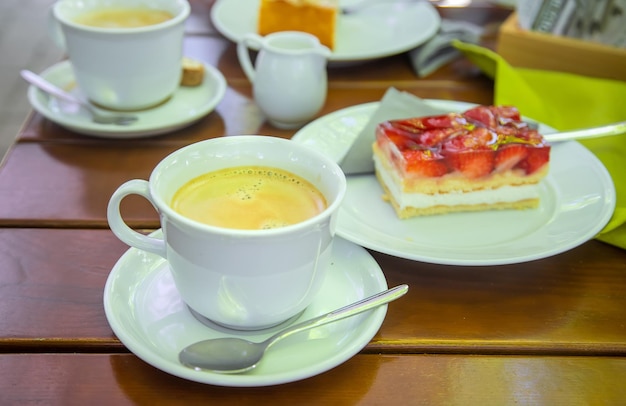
(193, 72)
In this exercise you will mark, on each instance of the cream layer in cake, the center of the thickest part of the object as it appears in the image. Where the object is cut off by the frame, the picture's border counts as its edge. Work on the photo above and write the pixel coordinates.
(411, 204)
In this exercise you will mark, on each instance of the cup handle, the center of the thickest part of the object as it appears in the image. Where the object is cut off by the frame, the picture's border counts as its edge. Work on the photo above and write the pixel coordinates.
(54, 30)
(119, 226)
(244, 56)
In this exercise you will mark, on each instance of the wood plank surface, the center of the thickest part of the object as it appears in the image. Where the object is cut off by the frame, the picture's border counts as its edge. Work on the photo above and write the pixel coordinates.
(238, 114)
(104, 379)
(52, 282)
(70, 177)
(550, 331)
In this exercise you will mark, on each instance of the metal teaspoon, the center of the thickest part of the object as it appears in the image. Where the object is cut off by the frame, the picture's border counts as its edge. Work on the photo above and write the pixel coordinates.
(98, 115)
(236, 355)
(618, 128)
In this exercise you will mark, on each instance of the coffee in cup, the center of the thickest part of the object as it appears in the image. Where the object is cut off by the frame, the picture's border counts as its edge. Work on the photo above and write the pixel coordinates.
(123, 17)
(125, 54)
(249, 198)
(239, 278)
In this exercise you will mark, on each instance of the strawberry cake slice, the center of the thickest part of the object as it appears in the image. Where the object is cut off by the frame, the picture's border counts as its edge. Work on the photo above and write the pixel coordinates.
(485, 158)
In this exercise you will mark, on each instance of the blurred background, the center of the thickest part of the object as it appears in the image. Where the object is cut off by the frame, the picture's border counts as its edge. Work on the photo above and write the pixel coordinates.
(24, 44)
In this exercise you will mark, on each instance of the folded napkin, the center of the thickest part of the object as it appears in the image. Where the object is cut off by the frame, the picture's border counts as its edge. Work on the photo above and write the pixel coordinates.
(394, 105)
(566, 101)
(439, 50)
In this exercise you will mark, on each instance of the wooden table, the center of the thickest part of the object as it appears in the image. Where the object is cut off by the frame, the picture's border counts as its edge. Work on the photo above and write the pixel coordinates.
(550, 331)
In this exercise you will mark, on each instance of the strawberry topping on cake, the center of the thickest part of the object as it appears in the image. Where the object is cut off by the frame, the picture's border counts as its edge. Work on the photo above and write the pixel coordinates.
(484, 158)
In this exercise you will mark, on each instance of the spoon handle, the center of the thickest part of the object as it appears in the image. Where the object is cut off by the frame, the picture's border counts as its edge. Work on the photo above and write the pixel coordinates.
(594, 132)
(48, 87)
(347, 311)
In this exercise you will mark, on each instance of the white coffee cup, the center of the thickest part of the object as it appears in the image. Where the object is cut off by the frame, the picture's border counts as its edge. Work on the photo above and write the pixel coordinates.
(241, 279)
(123, 68)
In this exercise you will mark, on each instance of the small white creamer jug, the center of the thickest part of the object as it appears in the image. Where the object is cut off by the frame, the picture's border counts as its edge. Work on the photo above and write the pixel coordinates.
(289, 76)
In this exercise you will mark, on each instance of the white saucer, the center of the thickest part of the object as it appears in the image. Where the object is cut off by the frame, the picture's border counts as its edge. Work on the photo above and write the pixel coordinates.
(376, 31)
(186, 106)
(577, 200)
(146, 313)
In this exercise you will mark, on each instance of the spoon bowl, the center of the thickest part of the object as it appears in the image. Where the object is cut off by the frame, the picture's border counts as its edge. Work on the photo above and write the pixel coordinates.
(236, 355)
(225, 355)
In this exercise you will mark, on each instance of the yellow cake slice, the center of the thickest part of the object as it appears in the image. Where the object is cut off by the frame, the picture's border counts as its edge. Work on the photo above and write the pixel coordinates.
(316, 17)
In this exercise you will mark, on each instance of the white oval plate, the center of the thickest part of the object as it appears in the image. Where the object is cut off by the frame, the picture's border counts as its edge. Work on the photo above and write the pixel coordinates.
(377, 31)
(577, 200)
(147, 314)
(188, 105)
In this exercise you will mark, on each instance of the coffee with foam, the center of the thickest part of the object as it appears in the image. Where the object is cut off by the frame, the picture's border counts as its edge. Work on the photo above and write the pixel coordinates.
(249, 198)
(123, 17)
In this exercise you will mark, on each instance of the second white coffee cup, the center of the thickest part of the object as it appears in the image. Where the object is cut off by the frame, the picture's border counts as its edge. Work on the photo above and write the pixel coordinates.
(122, 68)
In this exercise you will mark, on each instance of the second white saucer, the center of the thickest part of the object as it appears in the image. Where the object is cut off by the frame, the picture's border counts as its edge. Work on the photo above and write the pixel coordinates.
(186, 106)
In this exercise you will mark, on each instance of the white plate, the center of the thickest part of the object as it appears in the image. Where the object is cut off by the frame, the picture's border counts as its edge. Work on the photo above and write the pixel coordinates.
(377, 31)
(505, 3)
(577, 200)
(146, 313)
(186, 106)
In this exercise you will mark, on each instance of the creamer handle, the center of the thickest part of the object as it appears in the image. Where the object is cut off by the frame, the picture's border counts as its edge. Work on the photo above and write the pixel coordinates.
(250, 40)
